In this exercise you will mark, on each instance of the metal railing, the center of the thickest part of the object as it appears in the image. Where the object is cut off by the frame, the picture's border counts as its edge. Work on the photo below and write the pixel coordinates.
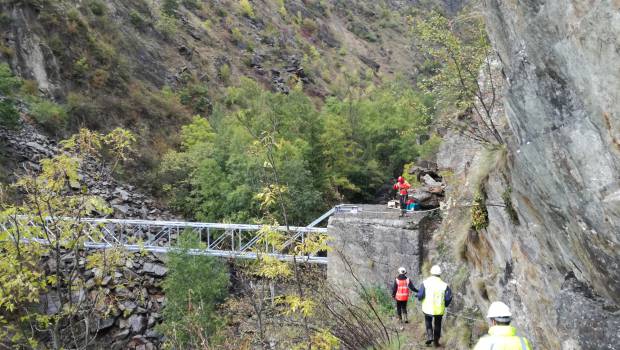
(222, 240)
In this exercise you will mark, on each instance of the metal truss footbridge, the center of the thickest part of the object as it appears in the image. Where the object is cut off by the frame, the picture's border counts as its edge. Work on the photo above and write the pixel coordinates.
(220, 239)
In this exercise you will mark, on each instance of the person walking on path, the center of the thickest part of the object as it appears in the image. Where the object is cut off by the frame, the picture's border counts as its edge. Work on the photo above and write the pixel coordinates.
(402, 186)
(502, 336)
(435, 295)
(400, 293)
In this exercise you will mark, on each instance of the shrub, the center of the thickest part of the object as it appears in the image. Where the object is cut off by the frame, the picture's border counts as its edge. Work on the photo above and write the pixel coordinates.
(81, 67)
(99, 78)
(192, 4)
(136, 19)
(9, 116)
(197, 97)
(309, 25)
(30, 88)
(97, 7)
(224, 73)
(510, 209)
(170, 7)
(50, 115)
(237, 37)
(479, 215)
(167, 26)
(282, 8)
(363, 32)
(246, 8)
(9, 84)
(6, 51)
(190, 311)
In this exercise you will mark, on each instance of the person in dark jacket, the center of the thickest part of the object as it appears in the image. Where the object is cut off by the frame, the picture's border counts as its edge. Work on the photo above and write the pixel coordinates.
(400, 293)
(435, 296)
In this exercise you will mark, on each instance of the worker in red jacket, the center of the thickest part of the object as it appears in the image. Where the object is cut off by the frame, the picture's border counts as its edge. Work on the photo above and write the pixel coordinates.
(400, 293)
(402, 186)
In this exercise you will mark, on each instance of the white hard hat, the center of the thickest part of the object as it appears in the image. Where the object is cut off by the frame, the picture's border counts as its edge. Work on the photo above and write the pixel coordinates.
(499, 310)
(436, 270)
(402, 270)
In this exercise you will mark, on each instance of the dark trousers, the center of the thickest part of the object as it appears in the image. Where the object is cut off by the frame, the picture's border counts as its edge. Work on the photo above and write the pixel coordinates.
(428, 319)
(401, 307)
(403, 202)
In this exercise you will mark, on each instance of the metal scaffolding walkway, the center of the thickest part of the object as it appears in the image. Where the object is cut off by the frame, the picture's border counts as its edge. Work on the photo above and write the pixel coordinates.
(222, 240)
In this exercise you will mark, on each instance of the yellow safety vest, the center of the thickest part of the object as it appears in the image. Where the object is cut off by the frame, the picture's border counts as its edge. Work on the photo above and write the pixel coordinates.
(502, 338)
(434, 302)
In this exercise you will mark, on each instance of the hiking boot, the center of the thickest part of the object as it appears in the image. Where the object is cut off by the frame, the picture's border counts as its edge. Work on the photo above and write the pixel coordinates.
(436, 343)
(406, 319)
(429, 336)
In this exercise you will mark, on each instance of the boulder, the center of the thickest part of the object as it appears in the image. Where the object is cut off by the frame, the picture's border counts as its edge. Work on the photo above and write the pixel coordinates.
(103, 324)
(155, 269)
(137, 323)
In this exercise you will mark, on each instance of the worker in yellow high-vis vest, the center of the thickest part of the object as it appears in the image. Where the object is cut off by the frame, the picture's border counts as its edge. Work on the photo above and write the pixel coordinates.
(435, 295)
(502, 336)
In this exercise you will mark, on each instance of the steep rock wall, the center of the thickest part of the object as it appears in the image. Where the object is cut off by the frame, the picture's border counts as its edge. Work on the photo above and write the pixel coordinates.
(557, 267)
(561, 61)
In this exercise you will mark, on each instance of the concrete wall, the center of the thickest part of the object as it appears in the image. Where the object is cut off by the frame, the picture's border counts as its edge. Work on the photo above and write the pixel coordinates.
(374, 242)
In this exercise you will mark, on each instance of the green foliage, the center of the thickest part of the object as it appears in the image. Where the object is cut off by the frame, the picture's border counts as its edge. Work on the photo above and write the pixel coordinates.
(479, 214)
(97, 7)
(246, 8)
(81, 67)
(460, 55)
(224, 73)
(167, 26)
(346, 151)
(196, 96)
(362, 31)
(170, 7)
(9, 85)
(371, 134)
(191, 4)
(136, 19)
(58, 234)
(9, 115)
(430, 148)
(49, 114)
(461, 50)
(194, 287)
(379, 296)
(222, 167)
(237, 37)
(510, 209)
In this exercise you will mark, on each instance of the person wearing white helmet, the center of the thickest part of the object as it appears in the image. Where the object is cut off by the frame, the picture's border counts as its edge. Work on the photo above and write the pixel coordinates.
(502, 336)
(435, 295)
(400, 292)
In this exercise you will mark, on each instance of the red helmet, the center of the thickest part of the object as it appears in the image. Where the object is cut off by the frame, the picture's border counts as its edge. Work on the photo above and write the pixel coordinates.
(401, 179)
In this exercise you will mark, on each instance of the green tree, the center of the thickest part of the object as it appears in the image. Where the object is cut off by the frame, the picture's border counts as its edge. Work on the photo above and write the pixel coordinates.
(371, 134)
(462, 49)
(194, 287)
(9, 85)
(222, 165)
(49, 114)
(43, 303)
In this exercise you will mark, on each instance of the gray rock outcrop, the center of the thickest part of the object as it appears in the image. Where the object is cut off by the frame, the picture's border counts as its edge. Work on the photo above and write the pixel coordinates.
(557, 265)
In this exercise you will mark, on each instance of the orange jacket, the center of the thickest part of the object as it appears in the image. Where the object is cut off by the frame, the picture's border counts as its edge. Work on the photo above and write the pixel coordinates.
(402, 188)
(402, 290)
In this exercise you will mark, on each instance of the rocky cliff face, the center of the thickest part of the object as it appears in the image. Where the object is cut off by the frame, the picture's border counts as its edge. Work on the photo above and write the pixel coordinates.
(561, 62)
(560, 172)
